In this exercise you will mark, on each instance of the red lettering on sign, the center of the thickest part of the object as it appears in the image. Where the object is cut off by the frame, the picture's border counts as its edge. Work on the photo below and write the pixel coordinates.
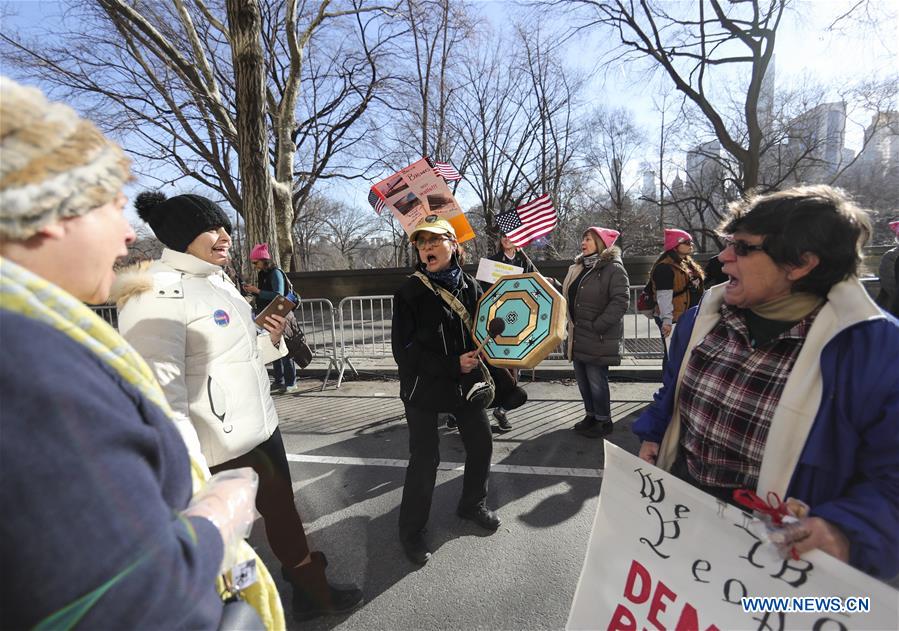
(637, 571)
(657, 606)
(622, 620)
(689, 621)
(637, 589)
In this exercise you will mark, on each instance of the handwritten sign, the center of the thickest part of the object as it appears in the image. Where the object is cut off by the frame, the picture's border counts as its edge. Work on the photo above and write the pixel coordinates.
(665, 555)
(416, 192)
(491, 271)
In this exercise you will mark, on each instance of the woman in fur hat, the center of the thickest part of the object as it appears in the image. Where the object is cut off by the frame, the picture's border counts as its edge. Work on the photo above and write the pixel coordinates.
(596, 287)
(197, 333)
(99, 528)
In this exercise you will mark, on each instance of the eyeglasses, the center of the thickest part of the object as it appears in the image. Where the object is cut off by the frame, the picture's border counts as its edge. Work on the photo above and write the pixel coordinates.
(421, 243)
(741, 248)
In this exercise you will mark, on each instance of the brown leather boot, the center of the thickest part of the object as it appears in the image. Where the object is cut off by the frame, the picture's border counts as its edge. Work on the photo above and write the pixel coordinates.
(313, 596)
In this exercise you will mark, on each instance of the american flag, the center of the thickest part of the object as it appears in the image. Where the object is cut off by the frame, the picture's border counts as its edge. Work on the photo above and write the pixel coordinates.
(528, 221)
(446, 171)
(376, 202)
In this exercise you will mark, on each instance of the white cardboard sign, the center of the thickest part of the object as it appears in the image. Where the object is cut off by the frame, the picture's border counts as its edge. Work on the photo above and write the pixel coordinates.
(491, 271)
(665, 555)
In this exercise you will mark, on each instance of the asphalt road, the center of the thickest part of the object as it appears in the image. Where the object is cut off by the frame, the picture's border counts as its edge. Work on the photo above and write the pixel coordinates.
(348, 450)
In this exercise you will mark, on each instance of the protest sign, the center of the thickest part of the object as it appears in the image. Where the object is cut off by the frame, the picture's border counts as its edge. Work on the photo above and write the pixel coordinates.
(490, 271)
(665, 555)
(416, 192)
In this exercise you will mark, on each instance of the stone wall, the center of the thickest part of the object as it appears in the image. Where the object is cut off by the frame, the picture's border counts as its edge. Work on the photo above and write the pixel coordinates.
(337, 284)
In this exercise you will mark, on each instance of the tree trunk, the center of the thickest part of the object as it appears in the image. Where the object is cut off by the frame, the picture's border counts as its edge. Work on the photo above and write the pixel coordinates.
(244, 27)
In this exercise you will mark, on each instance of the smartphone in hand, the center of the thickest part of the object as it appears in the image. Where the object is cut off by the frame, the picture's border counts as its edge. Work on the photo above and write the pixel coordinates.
(279, 306)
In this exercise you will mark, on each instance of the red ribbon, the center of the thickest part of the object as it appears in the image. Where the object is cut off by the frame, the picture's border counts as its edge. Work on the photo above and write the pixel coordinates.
(772, 506)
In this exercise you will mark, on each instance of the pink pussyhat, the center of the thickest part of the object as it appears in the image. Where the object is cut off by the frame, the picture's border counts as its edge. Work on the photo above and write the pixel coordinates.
(260, 252)
(606, 235)
(674, 237)
(894, 226)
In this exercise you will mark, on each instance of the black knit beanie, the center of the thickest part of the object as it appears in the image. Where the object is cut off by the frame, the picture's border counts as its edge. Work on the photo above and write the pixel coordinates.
(179, 220)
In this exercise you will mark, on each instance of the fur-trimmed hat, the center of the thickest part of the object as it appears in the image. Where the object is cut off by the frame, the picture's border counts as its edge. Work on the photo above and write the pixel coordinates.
(179, 220)
(53, 163)
(606, 235)
(260, 252)
(674, 237)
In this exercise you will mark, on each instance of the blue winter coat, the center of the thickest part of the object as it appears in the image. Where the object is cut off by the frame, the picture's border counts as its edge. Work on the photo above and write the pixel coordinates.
(94, 477)
(848, 468)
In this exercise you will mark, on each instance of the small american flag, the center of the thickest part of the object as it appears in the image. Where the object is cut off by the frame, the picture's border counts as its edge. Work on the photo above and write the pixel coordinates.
(376, 202)
(528, 221)
(446, 171)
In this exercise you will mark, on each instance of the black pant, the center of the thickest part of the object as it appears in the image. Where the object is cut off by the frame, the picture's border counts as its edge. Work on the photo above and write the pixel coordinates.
(664, 342)
(274, 499)
(424, 457)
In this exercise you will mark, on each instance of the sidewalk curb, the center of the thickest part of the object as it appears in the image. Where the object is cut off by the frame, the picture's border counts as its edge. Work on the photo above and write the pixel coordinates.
(548, 373)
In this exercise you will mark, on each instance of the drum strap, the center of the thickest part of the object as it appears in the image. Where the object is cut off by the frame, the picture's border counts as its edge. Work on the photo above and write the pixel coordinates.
(460, 310)
(448, 298)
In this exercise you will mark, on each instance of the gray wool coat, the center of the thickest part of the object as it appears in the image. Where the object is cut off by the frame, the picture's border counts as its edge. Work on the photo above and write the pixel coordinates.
(596, 319)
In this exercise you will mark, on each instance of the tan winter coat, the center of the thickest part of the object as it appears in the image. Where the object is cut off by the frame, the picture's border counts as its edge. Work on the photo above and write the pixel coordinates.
(198, 336)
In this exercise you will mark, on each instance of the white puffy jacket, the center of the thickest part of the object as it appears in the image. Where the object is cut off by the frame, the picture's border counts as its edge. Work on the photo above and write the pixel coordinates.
(198, 336)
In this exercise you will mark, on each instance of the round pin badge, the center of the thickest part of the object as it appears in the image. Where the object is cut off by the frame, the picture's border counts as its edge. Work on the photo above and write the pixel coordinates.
(221, 317)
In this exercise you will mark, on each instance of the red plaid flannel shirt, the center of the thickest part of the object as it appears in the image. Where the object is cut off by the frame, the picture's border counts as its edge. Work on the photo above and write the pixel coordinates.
(728, 396)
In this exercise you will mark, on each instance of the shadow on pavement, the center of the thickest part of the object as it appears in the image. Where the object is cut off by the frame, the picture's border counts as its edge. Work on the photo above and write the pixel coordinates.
(352, 518)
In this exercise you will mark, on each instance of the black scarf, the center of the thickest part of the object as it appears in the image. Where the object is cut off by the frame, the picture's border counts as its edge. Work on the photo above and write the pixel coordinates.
(449, 279)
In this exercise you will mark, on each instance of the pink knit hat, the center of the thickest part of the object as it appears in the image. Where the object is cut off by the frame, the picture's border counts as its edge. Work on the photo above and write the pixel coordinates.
(894, 226)
(260, 252)
(674, 237)
(606, 235)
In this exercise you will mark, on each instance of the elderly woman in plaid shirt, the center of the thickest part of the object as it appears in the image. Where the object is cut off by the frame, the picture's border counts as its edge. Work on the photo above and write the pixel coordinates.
(785, 379)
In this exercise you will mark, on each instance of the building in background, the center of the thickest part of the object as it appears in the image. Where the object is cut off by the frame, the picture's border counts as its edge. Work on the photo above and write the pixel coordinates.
(814, 150)
(881, 149)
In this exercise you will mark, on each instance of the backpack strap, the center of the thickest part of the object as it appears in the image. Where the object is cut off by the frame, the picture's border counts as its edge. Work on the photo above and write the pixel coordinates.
(288, 286)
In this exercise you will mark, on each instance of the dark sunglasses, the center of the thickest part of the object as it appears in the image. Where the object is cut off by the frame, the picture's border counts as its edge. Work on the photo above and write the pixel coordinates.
(741, 248)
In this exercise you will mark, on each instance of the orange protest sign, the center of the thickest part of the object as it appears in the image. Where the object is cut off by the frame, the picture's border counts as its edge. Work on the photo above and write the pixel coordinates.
(417, 191)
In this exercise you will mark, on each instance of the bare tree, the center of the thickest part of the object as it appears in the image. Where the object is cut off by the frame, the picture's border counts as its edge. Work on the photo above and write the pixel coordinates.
(309, 228)
(348, 231)
(555, 92)
(670, 126)
(245, 30)
(161, 73)
(146, 247)
(514, 117)
(695, 47)
(613, 146)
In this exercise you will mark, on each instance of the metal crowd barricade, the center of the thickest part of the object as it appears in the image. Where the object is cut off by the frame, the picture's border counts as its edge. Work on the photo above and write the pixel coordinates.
(108, 313)
(365, 323)
(316, 317)
(642, 339)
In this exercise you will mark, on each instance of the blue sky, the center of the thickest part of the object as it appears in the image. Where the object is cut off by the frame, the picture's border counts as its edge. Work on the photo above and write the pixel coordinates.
(805, 50)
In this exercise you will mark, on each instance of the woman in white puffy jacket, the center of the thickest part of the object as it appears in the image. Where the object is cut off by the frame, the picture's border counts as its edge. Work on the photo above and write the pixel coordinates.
(188, 320)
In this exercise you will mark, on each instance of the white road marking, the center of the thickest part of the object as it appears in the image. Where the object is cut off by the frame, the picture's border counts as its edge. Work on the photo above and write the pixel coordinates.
(448, 466)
